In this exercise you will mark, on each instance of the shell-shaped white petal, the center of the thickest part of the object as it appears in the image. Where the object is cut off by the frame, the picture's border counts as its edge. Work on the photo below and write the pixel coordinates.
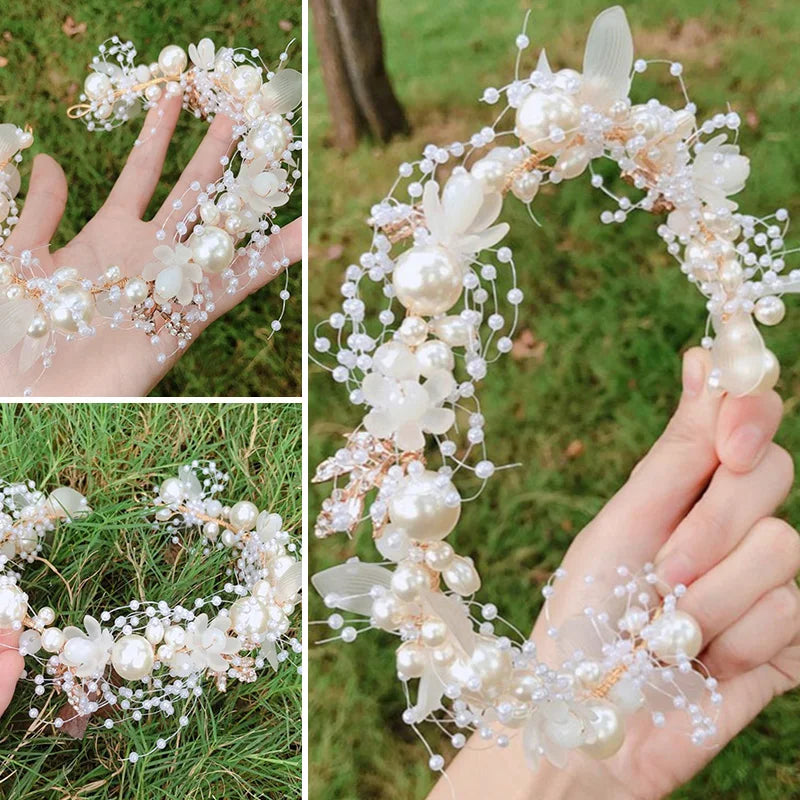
(432, 208)
(379, 424)
(462, 199)
(290, 583)
(169, 282)
(608, 58)
(9, 141)
(15, 317)
(66, 502)
(202, 54)
(268, 650)
(31, 352)
(10, 179)
(351, 583)
(283, 93)
(429, 694)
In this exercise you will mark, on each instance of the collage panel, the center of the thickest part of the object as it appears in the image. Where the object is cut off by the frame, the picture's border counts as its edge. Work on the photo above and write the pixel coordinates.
(151, 200)
(500, 604)
(150, 589)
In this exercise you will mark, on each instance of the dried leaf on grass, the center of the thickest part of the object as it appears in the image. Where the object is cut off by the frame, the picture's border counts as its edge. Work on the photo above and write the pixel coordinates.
(72, 28)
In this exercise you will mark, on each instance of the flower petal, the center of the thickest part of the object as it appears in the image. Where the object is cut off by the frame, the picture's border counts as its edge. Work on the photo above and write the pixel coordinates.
(608, 59)
(438, 420)
(409, 436)
(351, 584)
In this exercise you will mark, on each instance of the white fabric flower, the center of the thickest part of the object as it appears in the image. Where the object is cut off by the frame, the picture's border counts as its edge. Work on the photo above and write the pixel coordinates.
(461, 220)
(260, 188)
(267, 525)
(202, 54)
(87, 652)
(719, 171)
(402, 407)
(555, 728)
(208, 641)
(174, 273)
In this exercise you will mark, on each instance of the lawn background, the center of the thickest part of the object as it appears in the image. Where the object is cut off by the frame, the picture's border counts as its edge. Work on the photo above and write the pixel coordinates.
(44, 75)
(241, 745)
(596, 375)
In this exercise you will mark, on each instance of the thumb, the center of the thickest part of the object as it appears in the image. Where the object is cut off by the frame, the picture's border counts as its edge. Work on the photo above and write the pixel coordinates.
(43, 206)
(11, 664)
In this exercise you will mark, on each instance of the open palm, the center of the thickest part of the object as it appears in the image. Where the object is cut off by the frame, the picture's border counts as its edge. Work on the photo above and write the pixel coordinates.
(699, 506)
(120, 362)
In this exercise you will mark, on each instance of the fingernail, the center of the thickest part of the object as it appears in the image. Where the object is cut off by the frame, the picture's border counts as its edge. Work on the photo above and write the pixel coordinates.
(694, 374)
(676, 567)
(747, 444)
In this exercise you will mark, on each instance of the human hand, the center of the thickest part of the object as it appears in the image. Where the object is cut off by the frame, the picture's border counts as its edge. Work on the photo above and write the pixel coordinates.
(11, 664)
(121, 362)
(699, 506)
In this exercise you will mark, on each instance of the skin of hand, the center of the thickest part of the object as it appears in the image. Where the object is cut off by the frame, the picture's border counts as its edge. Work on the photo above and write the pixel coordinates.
(699, 506)
(11, 664)
(116, 362)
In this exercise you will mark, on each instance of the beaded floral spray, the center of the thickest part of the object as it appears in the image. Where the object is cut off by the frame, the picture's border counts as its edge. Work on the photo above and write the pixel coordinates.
(224, 230)
(150, 658)
(437, 259)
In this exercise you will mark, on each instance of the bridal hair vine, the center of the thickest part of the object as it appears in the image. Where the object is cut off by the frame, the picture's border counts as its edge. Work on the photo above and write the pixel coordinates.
(435, 246)
(149, 657)
(226, 228)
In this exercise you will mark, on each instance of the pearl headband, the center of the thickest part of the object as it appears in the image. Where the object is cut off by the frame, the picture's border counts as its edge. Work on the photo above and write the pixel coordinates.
(226, 228)
(436, 244)
(165, 654)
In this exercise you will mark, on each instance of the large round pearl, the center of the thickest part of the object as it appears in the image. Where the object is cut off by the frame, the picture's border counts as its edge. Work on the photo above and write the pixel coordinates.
(433, 356)
(673, 633)
(461, 576)
(244, 81)
(268, 139)
(609, 729)
(433, 632)
(249, 616)
(53, 639)
(770, 310)
(96, 85)
(539, 113)
(136, 291)
(418, 507)
(408, 580)
(172, 60)
(73, 304)
(243, 515)
(132, 657)
(213, 250)
(427, 280)
(491, 664)
(13, 604)
(172, 491)
(411, 660)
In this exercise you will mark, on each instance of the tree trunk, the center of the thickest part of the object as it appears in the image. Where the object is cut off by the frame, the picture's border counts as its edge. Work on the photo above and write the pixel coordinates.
(360, 94)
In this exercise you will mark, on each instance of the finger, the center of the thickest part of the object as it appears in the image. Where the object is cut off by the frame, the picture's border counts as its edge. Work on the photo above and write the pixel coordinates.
(767, 558)
(285, 248)
(44, 205)
(745, 428)
(205, 167)
(668, 480)
(139, 177)
(765, 630)
(732, 504)
(11, 665)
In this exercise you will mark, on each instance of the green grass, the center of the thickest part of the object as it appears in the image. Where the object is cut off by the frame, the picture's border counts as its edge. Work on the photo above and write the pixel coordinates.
(44, 75)
(611, 311)
(241, 745)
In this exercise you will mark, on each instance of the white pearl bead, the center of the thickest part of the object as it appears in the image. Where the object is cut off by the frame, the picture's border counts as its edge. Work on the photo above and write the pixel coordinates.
(573, 162)
(136, 290)
(411, 660)
(73, 304)
(244, 81)
(609, 730)
(52, 639)
(634, 619)
(39, 326)
(413, 331)
(172, 491)
(249, 616)
(770, 310)
(154, 632)
(461, 576)
(172, 61)
(268, 139)
(408, 580)
(589, 673)
(132, 657)
(393, 543)
(438, 555)
(209, 213)
(213, 250)
(433, 356)
(418, 507)
(427, 280)
(539, 113)
(153, 93)
(211, 530)
(731, 274)
(243, 515)
(96, 85)
(433, 632)
(385, 612)
(46, 615)
(30, 642)
(675, 632)
(174, 636)
(13, 604)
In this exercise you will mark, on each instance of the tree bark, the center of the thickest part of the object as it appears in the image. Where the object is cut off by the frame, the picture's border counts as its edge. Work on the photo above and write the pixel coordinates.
(360, 95)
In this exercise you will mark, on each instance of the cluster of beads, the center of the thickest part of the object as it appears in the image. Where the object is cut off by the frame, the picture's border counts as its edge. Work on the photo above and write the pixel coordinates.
(165, 654)
(435, 248)
(225, 231)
